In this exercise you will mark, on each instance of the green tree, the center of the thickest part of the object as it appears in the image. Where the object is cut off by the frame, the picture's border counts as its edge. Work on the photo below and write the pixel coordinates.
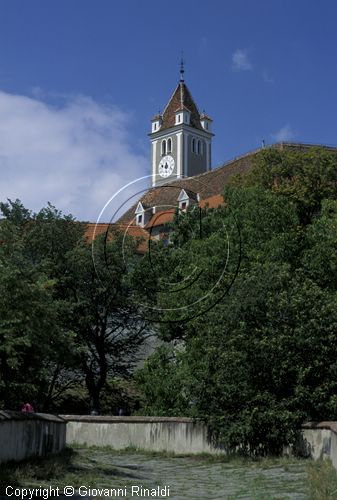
(42, 241)
(320, 255)
(264, 358)
(163, 380)
(88, 325)
(198, 270)
(306, 178)
(105, 315)
(30, 337)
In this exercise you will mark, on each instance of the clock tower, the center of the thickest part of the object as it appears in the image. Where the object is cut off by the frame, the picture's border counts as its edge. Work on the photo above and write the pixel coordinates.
(180, 137)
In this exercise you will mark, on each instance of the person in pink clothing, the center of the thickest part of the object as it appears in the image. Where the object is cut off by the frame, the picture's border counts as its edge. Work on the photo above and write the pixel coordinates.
(27, 408)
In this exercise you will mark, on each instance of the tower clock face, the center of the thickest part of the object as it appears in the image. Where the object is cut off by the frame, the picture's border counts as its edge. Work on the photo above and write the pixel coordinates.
(166, 166)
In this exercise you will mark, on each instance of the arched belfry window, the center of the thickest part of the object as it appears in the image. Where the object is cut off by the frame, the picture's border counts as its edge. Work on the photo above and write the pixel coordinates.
(199, 151)
(163, 147)
(193, 145)
(169, 145)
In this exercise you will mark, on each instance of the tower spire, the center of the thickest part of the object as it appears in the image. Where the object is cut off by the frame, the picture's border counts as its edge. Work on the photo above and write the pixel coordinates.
(182, 68)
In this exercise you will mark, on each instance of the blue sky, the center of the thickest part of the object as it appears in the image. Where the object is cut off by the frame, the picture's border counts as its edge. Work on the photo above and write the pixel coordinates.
(80, 80)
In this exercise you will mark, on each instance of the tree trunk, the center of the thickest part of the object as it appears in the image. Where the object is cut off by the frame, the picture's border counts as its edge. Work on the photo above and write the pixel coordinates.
(94, 388)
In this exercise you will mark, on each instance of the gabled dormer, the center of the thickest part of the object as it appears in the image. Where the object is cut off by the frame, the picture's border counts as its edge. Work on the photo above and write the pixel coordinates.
(143, 214)
(156, 121)
(186, 198)
(183, 115)
(206, 122)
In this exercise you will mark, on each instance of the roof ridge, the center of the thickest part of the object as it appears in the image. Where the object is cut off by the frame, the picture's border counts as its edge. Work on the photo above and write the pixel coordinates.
(191, 96)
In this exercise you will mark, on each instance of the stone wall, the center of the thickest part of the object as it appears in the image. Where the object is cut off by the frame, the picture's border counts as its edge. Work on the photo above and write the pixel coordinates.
(176, 435)
(24, 435)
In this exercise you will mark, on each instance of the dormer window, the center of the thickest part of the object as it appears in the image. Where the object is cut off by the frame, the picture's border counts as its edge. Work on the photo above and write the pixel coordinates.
(183, 115)
(184, 199)
(187, 198)
(156, 123)
(205, 121)
(143, 214)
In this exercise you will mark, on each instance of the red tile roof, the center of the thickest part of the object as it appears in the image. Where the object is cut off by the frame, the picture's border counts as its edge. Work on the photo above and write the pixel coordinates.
(93, 230)
(161, 218)
(165, 217)
(207, 185)
(213, 201)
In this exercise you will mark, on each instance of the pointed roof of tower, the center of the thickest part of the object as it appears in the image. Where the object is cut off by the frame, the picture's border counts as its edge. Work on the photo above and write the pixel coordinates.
(181, 99)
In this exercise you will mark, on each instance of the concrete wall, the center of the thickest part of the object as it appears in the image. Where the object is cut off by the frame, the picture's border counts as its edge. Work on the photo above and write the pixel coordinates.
(319, 440)
(30, 435)
(182, 435)
(176, 435)
(24, 435)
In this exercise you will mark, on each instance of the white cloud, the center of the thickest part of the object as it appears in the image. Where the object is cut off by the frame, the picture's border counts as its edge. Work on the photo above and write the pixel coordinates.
(76, 155)
(284, 134)
(241, 61)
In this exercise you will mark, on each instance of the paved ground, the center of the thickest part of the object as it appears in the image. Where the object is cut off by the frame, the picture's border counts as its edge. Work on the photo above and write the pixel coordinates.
(104, 473)
(192, 478)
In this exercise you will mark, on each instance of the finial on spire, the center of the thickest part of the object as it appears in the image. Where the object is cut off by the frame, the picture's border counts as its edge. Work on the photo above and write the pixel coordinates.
(182, 68)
